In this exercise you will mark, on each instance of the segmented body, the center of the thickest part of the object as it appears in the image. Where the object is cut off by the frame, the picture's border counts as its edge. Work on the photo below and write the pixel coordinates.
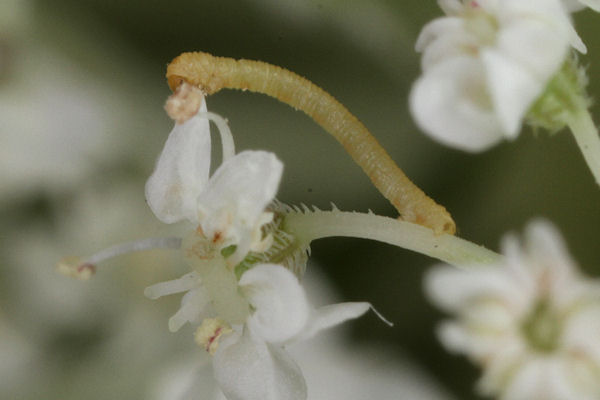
(212, 74)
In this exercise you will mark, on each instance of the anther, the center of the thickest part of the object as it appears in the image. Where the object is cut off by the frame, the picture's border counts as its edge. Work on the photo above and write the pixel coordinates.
(76, 268)
(208, 333)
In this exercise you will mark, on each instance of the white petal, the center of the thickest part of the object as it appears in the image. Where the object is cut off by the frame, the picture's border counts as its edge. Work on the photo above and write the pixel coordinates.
(455, 42)
(518, 269)
(527, 382)
(512, 89)
(541, 378)
(192, 304)
(490, 316)
(581, 335)
(539, 45)
(181, 171)
(238, 192)
(437, 29)
(551, 13)
(253, 370)
(545, 243)
(451, 7)
(573, 5)
(457, 339)
(281, 308)
(593, 4)
(549, 259)
(477, 344)
(507, 357)
(452, 289)
(183, 284)
(577, 5)
(490, 6)
(451, 104)
(331, 315)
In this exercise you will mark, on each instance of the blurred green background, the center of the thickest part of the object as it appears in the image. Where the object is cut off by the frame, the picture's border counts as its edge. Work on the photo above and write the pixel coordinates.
(81, 93)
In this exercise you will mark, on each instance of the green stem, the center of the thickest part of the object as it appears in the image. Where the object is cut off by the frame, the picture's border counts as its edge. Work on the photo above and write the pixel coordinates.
(309, 226)
(586, 136)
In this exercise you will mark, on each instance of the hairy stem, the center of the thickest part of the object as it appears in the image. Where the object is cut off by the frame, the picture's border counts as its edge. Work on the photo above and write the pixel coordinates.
(448, 248)
(212, 74)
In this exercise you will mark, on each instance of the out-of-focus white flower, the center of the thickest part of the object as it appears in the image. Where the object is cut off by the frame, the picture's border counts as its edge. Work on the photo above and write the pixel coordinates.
(532, 322)
(484, 64)
(17, 357)
(61, 123)
(249, 360)
(55, 127)
(72, 337)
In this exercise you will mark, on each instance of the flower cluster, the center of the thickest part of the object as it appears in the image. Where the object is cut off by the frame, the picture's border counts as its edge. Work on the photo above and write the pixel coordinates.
(484, 64)
(532, 321)
(527, 317)
(245, 315)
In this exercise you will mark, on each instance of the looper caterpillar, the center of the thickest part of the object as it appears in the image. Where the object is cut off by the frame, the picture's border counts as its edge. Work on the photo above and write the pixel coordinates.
(212, 74)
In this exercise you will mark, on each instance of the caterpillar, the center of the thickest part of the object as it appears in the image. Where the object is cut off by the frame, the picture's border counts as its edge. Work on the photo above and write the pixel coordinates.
(211, 74)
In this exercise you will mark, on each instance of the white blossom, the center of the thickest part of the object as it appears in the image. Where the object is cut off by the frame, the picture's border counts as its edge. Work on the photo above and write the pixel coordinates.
(230, 205)
(484, 64)
(531, 322)
(331, 363)
(245, 315)
(249, 358)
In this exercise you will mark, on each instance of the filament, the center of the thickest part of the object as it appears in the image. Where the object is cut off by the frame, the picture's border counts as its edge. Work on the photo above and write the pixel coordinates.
(131, 247)
(226, 136)
(212, 74)
(84, 268)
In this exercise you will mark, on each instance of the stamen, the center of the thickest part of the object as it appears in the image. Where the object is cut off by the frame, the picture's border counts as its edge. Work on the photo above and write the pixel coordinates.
(132, 247)
(74, 267)
(84, 268)
(211, 74)
(224, 131)
(208, 333)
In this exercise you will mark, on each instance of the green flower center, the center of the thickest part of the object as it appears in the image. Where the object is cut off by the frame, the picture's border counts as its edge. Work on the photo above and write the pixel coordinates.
(542, 328)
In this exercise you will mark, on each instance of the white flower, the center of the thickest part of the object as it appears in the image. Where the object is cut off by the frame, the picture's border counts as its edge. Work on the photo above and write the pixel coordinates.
(532, 322)
(331, 368)
(484, 64)
(247, 311)
(249, 360)
(230, 206)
